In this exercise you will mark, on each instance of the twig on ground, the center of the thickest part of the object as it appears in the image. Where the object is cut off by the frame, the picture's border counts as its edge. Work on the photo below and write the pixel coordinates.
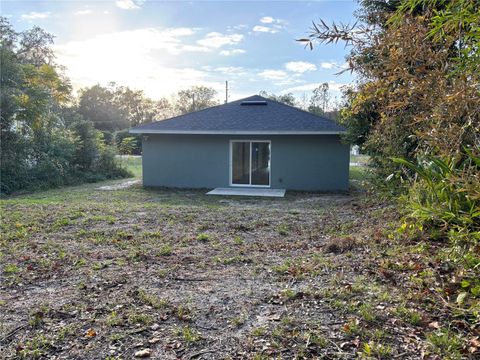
(200, 353)
(13, 332)
(190, 279)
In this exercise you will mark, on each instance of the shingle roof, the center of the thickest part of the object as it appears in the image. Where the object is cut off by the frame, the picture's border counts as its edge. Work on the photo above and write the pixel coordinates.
(238, 118)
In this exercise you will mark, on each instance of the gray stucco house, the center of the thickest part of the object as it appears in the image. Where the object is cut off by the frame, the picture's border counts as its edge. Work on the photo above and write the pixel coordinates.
(252, 142)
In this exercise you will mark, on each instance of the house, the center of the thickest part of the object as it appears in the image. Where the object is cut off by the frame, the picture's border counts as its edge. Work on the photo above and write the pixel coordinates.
(252, 142)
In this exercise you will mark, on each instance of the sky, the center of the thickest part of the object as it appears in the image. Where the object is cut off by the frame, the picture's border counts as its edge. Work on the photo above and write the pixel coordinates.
(162, 47)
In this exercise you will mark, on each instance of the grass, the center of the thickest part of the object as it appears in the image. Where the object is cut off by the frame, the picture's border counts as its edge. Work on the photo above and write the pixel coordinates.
(296, 277)
(132, 163)
(360, 159)
(358, 173)
(188, 334)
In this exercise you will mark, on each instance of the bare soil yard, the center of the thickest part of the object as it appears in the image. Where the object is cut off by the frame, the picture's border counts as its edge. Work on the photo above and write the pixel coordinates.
(95, 274)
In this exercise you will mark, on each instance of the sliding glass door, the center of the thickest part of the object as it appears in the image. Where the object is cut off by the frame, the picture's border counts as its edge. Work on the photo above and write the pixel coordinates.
(250, 163)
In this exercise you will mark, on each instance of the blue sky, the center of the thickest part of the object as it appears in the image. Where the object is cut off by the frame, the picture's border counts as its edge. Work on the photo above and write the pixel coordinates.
(165, 46)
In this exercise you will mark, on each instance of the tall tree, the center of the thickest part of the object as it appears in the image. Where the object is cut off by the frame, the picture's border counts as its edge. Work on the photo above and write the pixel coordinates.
(99, 105)
(195, 98)
(320, 100)
(37, 147)
(135, 106)
(288, 99)
(417, 65)
(112, 108)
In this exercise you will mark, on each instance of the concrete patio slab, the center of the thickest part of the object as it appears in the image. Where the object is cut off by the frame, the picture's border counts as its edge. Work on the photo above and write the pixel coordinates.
(248, 192)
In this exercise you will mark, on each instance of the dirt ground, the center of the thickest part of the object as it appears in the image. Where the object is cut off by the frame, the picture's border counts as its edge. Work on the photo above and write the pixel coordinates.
(95, 274)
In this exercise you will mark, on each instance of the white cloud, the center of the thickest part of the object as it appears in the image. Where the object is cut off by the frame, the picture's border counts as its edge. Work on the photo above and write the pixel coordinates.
(328, 64)
(234, 71)
(332, 85)
(232, 52)
(300, 66)
(34, 15)
(83, 12)
(267, 20)
(217, 40)
(271, 25)
(129, 4)
(264, 29)
(134, 58)
(273, 74)
(190, 48)
(270, 20)
(238, 27)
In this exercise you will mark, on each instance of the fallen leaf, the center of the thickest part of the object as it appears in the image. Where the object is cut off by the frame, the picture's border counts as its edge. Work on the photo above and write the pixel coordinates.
(356, 342)
(434, 325)
(475, 342)
(142, 353)
(154, 340)
(474, 345)
(90, 333)
(274, 317)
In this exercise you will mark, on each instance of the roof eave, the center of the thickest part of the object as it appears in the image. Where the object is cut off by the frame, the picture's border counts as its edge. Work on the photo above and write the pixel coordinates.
(234, 132)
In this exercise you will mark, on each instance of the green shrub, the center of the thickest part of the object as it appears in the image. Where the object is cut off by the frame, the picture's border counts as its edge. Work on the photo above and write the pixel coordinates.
(127, 146)
(132, 146)
(444, 198)
(443, 203)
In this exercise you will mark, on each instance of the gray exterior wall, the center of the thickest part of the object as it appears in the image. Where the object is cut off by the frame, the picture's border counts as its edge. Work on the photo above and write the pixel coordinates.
(298, 162)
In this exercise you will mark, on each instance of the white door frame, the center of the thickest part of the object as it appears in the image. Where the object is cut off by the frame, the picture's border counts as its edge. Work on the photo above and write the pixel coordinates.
(250, 164)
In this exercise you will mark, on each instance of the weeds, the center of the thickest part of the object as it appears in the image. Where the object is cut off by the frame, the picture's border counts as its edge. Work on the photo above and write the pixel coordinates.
(444, 341)
(259, 331)
(188, 334)
(113, 319)
(136, 317)
(203, 237)
(165, 250)
(35, 347)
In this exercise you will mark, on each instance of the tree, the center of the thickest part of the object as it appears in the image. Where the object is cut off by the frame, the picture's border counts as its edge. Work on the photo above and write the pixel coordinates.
(99, 105)
(128, 145)
(135, 106)
(288, 99)
(417, 64)
(35, 47)
(164, 109)
(320, 100)
(359, 122)
(112, 108)
(88, 142)
(38, 149)
(195, 98)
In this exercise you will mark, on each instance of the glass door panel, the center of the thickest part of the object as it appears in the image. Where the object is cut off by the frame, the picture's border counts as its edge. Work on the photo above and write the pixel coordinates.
(260, 168)
(241, 163)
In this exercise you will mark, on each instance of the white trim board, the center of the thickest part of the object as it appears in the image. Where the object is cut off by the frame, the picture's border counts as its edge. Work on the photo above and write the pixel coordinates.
(232, 132)
(263, 192)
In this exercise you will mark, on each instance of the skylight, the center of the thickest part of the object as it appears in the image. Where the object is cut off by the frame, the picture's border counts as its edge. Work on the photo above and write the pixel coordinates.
(254, 102)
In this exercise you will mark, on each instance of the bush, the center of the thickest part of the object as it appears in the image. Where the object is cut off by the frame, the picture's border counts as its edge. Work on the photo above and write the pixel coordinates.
(128, 146)
(133, 146)
(108, 137)
(58, 159)
(443, 203)
(108, 165)
(444, 198)
(95, 160)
